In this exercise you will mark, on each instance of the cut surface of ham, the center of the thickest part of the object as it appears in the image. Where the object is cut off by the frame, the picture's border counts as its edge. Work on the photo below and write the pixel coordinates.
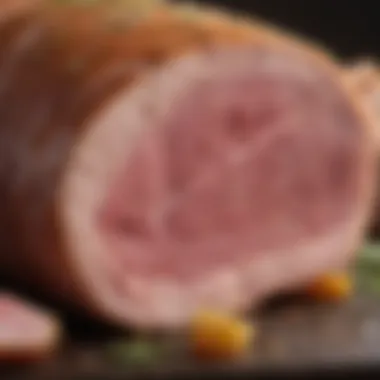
(145, 180)
(247, 175)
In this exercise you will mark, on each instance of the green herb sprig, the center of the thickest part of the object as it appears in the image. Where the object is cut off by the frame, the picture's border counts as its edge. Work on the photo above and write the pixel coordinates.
(367, 269)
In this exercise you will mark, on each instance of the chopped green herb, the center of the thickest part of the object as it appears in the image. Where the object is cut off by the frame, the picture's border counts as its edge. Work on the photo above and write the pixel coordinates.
(137, 352)
(370, 252)
(368, 268)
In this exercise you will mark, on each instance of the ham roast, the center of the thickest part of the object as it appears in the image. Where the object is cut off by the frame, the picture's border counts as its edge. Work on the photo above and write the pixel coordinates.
(155, 163)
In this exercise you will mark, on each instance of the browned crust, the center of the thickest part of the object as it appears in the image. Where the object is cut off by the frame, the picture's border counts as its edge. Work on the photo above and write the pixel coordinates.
(61, 78)
(48, 88)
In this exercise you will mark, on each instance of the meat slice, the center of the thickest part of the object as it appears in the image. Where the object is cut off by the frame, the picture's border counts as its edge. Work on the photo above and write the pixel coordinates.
(26, 331)
(144, 178)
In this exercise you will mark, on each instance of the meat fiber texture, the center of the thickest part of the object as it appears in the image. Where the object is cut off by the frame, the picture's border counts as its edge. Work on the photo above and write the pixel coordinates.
(157, 162)
(27, 332)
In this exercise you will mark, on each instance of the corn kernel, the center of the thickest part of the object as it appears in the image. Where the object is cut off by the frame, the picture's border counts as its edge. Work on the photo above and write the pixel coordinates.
(215, 336)
(332, 287)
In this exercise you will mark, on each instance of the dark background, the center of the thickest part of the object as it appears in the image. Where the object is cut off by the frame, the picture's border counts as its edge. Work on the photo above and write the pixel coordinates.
(351, 28)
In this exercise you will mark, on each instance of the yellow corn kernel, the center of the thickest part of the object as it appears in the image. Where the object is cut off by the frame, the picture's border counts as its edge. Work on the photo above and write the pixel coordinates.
(332, 287)
(215, 336)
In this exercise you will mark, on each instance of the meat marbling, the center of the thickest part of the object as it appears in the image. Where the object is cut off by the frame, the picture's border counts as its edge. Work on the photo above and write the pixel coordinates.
(173, 164)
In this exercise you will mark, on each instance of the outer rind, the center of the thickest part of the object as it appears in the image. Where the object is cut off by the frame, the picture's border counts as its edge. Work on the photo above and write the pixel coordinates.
(363, 76)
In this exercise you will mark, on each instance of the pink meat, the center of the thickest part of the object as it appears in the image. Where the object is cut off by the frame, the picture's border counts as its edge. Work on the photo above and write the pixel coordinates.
(219, 180)
(26, 331)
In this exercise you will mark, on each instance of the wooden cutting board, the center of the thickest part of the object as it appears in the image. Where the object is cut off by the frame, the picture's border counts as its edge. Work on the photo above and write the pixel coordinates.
(295, 340)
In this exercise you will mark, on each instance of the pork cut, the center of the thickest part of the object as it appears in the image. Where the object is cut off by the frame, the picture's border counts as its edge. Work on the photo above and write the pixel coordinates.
(152, 168)
(27, 332)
